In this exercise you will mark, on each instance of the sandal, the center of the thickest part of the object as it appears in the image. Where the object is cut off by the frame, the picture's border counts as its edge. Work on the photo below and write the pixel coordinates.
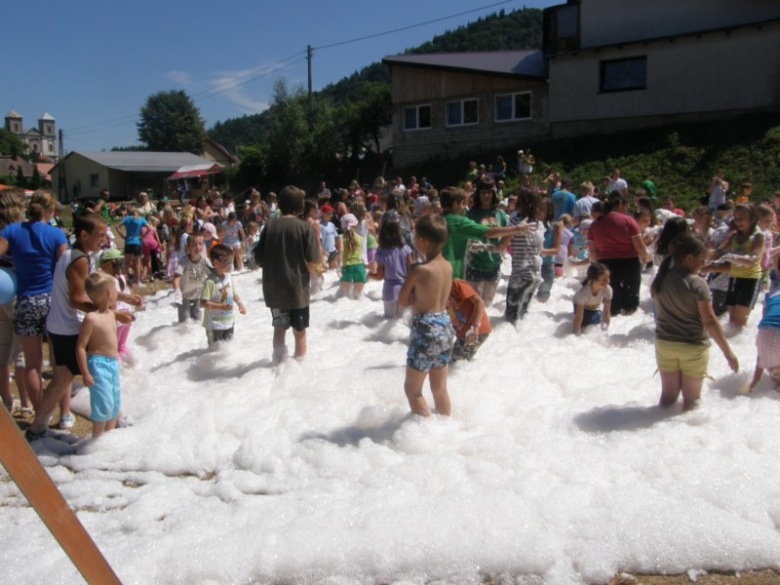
(25, 412)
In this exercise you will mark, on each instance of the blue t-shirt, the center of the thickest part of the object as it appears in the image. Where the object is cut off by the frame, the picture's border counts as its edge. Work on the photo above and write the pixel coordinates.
(328, 235)
(133, 227)
(563, 202)
(33, 246)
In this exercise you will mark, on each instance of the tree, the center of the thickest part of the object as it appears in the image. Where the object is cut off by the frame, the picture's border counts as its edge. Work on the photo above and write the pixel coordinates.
(36, 181)
(11, 144)
(170, 122)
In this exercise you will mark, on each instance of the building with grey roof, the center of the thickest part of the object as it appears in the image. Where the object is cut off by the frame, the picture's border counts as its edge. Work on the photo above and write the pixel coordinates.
(83, 175)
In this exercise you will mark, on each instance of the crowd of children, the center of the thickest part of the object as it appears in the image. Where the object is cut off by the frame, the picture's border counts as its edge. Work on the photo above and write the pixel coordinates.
(439, 254)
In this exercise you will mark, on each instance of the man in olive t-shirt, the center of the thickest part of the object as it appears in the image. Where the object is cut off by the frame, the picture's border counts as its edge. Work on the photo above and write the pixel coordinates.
(287, 252)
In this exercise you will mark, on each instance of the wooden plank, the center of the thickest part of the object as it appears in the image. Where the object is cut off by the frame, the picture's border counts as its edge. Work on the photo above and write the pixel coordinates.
(47, 501)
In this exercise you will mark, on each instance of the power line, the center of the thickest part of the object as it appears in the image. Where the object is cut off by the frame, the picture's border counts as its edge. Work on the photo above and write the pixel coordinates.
(222, 88)
(389, 32)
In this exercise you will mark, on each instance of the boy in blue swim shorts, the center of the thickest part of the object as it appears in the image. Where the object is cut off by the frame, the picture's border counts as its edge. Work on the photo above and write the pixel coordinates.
(100, 367)
(426, 290)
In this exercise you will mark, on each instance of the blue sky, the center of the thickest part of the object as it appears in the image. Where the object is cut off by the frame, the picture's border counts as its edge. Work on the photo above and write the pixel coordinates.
(91, 64)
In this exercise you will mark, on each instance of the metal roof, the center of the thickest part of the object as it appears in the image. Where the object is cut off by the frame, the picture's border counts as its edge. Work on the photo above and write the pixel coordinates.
(46, 116)
(145, 162)
(13, 114)
(529, 64)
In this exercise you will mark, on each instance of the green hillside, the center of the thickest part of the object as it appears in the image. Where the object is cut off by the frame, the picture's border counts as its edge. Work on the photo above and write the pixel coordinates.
(519, 29)
(681, 158)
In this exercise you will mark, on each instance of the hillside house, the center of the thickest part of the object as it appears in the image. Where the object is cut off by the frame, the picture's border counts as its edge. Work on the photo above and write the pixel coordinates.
(452, 104)
(606, 66)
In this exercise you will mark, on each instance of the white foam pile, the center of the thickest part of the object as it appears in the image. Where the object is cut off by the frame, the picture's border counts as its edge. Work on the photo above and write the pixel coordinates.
(556, 465)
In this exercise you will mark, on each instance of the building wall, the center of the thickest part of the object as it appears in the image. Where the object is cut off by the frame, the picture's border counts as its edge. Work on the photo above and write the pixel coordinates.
(604, 22)
(413, 86)
(78, 174)
(716, 72)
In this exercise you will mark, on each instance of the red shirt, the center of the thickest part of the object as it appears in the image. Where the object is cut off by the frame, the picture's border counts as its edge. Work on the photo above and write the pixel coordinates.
(612, 235)
(461, 309)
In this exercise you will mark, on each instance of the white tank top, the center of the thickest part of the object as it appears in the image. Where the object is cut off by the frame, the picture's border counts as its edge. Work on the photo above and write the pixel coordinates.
(64, 319)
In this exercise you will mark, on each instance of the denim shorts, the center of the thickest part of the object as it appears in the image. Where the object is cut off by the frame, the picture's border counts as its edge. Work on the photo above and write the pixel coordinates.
(432, 338)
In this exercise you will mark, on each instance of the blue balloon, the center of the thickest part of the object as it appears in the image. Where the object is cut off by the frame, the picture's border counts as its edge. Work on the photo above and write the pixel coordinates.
(7, 286)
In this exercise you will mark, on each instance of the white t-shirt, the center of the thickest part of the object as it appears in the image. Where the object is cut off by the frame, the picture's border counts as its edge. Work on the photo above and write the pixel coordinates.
(592, 302)
(618, 184)
(64, 319)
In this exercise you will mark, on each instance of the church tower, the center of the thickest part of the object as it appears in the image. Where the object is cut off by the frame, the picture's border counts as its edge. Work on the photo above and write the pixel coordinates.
(48, 135)
(13, 123)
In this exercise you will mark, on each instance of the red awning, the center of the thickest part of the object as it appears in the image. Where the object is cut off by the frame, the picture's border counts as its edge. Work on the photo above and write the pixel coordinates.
(190, 171)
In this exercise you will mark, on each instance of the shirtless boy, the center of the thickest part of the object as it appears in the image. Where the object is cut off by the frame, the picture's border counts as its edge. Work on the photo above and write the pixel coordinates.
(426, 290)
(99, 364)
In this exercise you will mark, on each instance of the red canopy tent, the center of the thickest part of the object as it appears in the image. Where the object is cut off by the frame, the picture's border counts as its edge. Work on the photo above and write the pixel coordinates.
(191, 171)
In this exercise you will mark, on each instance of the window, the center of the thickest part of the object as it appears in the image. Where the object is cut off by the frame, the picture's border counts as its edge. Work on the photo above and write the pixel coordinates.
(94, 180)
(624, 74)
(417, 118)
(515, 106)
(463, 113)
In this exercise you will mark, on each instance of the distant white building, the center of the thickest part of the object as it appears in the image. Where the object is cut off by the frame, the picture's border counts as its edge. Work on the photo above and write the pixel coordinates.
(42, 139)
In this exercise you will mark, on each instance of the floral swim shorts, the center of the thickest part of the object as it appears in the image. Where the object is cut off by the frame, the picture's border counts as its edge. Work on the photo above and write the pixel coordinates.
(432, 337)
(30, 315)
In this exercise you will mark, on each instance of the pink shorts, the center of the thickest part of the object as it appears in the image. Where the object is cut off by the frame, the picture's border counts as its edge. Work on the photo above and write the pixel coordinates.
(768, 345)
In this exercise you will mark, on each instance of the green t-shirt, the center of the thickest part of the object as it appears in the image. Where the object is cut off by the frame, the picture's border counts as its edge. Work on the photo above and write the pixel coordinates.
(356, 255)
(460, 230)
(649, 188)
(486, 261)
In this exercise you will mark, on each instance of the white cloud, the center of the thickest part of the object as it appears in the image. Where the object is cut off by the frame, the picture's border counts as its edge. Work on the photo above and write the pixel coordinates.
(229, 84)
(180, 77)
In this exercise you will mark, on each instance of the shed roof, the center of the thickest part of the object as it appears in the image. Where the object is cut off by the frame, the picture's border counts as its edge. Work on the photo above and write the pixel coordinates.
(528, 64)
(144, 162)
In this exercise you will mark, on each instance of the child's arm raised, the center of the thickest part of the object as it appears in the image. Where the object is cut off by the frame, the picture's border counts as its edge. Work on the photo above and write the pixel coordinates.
(710, 321)
(81, 350)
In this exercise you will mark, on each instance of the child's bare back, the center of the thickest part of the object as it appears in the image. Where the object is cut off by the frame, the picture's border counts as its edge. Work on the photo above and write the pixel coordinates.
(432, 282)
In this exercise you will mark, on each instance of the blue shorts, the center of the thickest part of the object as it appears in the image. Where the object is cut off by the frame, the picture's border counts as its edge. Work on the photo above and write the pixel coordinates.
(104, 395)
(431, 342)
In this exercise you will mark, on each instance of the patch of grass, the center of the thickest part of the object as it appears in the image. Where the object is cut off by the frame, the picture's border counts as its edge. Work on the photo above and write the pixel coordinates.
(681, 159)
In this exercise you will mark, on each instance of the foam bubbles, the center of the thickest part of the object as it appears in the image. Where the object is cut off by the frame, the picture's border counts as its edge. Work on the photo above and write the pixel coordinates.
(556, 465)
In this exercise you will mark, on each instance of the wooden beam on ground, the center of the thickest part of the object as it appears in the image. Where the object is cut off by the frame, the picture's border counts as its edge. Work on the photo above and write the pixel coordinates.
(36, 485)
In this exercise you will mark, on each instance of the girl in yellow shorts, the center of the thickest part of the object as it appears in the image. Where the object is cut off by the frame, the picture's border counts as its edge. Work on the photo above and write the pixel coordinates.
(683, 320)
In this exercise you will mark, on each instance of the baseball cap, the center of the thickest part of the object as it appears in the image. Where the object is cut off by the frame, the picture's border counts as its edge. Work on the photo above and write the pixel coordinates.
(112, 254)
(348, 221)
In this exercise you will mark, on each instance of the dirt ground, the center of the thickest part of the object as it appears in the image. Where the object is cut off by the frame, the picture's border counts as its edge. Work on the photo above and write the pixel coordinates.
(83, 427)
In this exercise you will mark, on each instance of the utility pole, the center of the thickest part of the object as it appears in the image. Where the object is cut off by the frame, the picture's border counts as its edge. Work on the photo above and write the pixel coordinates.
(63, 186)
(311, 103)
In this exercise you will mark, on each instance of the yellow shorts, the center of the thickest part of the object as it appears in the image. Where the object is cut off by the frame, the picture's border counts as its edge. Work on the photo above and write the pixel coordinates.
(691, 360)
